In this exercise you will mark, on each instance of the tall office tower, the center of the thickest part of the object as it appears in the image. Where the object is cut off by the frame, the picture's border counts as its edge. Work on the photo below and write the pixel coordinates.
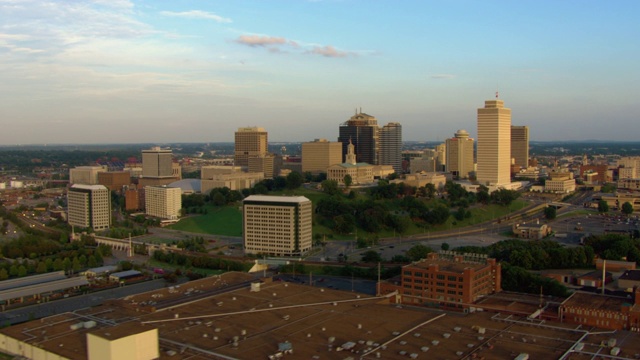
(494, 144)
(391, 146)
(89, 206)
(520, 145)
(319, 154)
(163, 202)
(250, 141)
(441, 157)
(361, 130)
(157, 163)
(460, 154)
(277, 225)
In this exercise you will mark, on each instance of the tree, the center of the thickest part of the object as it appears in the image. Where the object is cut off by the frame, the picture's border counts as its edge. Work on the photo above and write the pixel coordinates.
(550, 212)
(308, 176)
(371, 256)
(344, 224)
(294, 180)
(438, 215)
(3, 274)
(347, 180)
(445, 246)
(627, 208)
(504, 197)
(57, 264)
(41, 268)
(218, 199)
(329, 187)
(22, 271)
(75, 265)
(418, 252)
(483, 195)
(430, 190)
(603, 207)
(92, 262)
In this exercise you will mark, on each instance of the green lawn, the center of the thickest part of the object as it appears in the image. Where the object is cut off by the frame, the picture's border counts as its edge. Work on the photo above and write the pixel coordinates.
(228, 220)
(225, 220)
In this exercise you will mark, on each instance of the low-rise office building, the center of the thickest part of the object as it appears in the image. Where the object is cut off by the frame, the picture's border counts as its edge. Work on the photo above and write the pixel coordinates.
(277, 225)
(447, 280)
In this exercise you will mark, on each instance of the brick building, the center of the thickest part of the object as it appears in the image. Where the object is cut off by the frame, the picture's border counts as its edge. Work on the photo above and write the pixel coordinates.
(446, 279)
(114, 180)
(603, 311)
(601, 171)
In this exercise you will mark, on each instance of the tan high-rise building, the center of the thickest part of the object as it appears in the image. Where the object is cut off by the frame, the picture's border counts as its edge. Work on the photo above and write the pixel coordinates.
(249, 142)
(86, 175)
(494, 144)
(460, 154)
(264, 164)
(157, 163)
(520, 146)
(441, 157)
(277, 225)
(318, 155)
(89, 206)
(163, 202)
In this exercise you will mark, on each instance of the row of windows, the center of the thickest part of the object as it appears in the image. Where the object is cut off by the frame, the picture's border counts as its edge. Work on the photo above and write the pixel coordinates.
(599, 314)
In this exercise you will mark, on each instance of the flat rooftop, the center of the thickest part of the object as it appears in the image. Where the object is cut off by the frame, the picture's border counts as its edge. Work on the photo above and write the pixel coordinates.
(448, 265)
(279, 199)
(597, 301)
(221, 316)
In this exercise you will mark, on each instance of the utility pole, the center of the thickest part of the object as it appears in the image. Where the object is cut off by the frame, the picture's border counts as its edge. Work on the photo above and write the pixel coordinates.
(378, 284)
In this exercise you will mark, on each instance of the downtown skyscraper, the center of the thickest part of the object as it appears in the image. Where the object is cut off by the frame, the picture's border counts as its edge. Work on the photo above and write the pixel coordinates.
(361, 130)
(391, 146)
(250, 142)
(494, 144)
(520, 145)
(373, 145)
(460, 154)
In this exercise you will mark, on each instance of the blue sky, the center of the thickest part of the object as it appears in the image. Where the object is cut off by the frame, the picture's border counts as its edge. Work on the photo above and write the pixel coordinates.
(121, 71)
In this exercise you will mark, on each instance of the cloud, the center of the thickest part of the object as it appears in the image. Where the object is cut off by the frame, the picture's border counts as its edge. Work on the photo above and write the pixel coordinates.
(264, 41)
(118, 4)
(443, 76)
(277, 44)
(330, 51)
(197, 14)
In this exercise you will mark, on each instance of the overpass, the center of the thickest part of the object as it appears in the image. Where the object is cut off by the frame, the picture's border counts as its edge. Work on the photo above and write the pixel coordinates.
(558, 204)
(126, 244)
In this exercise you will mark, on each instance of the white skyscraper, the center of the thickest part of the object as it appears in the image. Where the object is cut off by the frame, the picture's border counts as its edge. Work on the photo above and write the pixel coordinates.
(494, 144)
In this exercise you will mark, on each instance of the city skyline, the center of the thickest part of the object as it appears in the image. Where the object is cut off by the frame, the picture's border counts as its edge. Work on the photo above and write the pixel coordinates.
(157, 72)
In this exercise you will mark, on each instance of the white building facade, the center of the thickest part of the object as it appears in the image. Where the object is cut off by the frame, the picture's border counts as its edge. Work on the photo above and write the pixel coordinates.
(277, 225)
(163, 202)
(89, 206)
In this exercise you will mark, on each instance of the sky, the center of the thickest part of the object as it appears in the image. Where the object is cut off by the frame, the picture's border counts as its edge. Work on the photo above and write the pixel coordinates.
(154, 71)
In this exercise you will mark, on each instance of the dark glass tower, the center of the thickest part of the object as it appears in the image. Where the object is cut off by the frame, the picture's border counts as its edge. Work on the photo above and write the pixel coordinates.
(362, 130)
